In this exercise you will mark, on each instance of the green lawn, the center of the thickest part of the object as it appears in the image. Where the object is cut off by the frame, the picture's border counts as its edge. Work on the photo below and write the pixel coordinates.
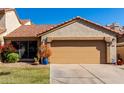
(30, 75)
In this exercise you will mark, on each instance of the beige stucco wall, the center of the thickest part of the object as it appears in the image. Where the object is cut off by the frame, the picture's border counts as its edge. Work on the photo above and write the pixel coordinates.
(11, 23)
(78, 29)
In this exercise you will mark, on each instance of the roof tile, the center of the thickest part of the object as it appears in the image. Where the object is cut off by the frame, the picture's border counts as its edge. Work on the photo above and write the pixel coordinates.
(6, 9)
(2, 29)
(29, 30)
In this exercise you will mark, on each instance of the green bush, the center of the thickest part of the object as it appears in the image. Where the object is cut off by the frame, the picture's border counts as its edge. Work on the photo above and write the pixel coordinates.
(12, 57)
(7, 49)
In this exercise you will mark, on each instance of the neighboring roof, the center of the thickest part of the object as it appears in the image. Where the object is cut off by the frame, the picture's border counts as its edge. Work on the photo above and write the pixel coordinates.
(3, 10)
(76, 19)
(117, 31)
(2, 29)
(29, 30)
(120, 35)
(23, 22)
(116, 26)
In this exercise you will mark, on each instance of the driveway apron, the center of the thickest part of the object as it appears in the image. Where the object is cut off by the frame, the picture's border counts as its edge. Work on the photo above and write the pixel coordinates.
(110, 74)
(86, 74)
(71, 74)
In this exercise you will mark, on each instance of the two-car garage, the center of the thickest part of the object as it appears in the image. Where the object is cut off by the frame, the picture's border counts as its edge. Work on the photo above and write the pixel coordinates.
(79, 41)
(78, 52)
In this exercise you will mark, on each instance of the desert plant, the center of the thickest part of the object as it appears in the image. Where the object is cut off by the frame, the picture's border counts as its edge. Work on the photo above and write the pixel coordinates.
(45, 51)
(12, 57)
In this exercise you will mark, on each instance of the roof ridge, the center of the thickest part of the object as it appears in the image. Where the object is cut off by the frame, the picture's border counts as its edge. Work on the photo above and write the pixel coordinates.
(80, 18)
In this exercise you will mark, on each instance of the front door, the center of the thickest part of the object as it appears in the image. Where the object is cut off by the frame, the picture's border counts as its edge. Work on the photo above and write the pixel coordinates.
(26, 49)
(32, 51)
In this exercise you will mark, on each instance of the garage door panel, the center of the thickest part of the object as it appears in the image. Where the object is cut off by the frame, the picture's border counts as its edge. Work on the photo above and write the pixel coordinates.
(73, 52)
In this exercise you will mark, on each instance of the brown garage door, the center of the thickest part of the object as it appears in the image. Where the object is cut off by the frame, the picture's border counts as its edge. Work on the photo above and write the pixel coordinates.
(78, 52)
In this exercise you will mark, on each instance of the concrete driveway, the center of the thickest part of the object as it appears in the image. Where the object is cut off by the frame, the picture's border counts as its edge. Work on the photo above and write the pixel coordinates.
(86, 74)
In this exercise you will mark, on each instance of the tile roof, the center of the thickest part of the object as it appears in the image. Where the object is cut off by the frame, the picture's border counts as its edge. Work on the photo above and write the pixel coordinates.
(29, 30)
(6, 9)
(37, 30)
(82, 19)
(2, 29)
(24, 21)
(119, 32)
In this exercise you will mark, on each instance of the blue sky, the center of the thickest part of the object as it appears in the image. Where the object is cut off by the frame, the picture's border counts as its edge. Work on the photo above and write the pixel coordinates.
(102, 16)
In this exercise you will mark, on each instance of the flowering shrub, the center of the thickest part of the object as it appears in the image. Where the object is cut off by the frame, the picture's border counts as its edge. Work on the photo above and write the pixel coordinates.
(5, 50)
(8, 48)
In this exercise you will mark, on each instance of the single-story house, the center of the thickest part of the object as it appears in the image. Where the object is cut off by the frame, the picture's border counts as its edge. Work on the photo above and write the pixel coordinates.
(75, 41)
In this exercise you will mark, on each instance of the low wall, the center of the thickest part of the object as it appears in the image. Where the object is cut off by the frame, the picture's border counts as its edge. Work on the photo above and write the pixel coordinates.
(120, 50)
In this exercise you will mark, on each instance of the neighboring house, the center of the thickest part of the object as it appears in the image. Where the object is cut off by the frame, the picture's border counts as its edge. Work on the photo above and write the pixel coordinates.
(120, 38)
(75, 41)
(120, 46)
(9, 21)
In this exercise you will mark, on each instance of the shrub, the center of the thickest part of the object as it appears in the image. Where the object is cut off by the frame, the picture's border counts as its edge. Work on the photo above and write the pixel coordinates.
(5, 50)
(12, 57)
(8, 48)
(1, 52)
